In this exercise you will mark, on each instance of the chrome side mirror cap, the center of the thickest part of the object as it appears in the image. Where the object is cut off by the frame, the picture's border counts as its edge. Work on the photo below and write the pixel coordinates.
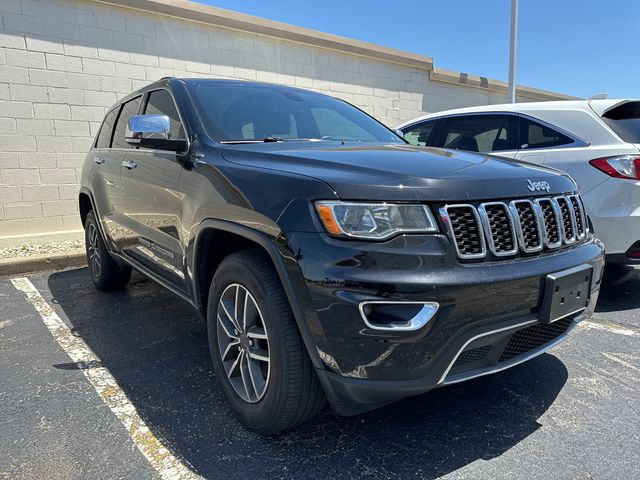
(147, 127)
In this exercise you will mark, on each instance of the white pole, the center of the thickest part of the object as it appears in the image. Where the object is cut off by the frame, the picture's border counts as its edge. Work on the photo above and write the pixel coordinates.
(512, 50)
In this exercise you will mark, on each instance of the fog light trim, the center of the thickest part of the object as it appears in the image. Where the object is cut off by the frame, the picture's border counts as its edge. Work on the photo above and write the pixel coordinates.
(424, 315)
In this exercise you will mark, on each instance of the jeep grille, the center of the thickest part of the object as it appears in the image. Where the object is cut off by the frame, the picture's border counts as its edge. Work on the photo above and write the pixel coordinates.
(504, 229)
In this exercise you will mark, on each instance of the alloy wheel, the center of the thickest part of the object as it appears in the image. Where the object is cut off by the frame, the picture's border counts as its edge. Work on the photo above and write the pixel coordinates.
(243, 343)
(95, 261)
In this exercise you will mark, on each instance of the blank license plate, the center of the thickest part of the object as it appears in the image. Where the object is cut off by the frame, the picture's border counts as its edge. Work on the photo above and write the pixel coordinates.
(566, 293)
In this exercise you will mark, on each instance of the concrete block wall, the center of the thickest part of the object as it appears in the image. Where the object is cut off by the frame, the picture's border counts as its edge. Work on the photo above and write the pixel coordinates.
(63, 63)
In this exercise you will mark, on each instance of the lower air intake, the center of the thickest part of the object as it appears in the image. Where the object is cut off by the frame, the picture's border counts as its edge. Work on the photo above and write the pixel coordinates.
(530, 338)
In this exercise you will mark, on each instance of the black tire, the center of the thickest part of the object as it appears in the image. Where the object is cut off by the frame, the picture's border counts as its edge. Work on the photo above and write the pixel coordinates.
(292, 393)
(105, 273)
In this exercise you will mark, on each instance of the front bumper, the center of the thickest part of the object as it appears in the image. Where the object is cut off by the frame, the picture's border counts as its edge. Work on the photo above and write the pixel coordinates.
(479, 302)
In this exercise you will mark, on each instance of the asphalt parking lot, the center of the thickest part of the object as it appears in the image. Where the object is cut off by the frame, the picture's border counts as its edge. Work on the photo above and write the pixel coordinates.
(572, 413)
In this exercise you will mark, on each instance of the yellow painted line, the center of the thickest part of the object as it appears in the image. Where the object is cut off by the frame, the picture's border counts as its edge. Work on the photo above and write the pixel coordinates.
(168, 466)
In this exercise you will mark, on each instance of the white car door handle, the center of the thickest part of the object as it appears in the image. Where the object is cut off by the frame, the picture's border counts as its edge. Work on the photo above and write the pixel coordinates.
(129, 164)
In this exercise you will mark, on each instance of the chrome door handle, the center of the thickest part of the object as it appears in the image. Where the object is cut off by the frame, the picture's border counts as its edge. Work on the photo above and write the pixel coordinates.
(98, 160)
(129, 164)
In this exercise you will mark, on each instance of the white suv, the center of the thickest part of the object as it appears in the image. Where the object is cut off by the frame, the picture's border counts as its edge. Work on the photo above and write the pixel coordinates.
(597, 142)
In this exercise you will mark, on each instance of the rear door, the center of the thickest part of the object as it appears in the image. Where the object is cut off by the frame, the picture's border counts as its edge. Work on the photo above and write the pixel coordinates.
(484, 133)
(105, 179)
(150, 179)
(541, 143)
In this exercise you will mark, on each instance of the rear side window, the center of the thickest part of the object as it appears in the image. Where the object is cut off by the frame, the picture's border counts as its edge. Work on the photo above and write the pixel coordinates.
(420, 134)
(161, 102)
(625, 121)
(536, 135)
(127, 111)
(481, 133)
(106, 130)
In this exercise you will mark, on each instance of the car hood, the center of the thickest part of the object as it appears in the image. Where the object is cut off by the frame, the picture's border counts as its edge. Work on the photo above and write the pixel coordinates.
(358, 171)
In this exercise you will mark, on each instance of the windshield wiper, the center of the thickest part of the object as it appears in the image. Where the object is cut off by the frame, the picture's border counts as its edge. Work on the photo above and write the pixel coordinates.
(272, 138)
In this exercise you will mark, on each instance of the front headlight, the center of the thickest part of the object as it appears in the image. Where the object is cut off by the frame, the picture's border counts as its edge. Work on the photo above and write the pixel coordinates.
(374, 221)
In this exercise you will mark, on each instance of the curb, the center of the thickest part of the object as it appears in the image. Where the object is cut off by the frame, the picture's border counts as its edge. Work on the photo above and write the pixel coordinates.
(37, 263)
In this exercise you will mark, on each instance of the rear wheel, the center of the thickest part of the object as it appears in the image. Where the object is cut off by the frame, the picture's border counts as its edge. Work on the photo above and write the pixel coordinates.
(105, 273)
(257, 352)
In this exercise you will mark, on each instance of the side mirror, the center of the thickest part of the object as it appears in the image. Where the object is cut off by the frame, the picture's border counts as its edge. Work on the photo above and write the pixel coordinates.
(152, 131)
(399, 132)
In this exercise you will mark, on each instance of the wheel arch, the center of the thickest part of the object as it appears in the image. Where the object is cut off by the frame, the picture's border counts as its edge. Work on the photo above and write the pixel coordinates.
(233, 238)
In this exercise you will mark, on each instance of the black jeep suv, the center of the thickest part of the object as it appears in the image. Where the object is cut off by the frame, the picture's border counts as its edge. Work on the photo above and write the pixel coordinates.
(330, 259)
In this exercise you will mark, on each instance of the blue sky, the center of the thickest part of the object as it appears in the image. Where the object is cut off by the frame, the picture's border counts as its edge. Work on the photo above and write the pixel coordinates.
(578, 47)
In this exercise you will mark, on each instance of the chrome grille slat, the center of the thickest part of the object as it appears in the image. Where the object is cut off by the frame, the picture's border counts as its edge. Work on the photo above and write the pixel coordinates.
(527, 220)
(579, 216)
(568, 220)
(551, 216)
(498, 228)
(524, 225)
(465, 228)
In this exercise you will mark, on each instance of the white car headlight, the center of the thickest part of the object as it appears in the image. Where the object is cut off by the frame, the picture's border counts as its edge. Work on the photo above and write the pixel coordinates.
(374, 221)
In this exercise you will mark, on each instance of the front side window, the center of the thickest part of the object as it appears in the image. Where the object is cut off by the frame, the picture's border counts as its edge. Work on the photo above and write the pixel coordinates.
(106, 130)
(160, 102)
(420, 134)
(481, 133)
(127, 111)
(536, 135)
(236, 112)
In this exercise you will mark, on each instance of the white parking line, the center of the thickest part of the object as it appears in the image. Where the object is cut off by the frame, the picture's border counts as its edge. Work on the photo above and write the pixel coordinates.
(608, 327)
(160, 458)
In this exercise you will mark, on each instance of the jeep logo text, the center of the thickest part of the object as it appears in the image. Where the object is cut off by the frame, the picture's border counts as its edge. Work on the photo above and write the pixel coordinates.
(538, 186)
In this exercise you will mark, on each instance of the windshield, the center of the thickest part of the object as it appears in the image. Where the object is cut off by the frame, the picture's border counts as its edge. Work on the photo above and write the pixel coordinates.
(244, 112)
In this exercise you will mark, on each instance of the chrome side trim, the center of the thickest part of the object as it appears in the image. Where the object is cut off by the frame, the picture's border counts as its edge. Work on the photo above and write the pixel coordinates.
(557, 215)
(517, 360)
(484, 217)
(418, 321)
(446, 219)
(516, 218)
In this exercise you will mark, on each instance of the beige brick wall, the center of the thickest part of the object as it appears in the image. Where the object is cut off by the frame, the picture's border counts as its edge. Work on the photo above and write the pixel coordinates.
(64, 62)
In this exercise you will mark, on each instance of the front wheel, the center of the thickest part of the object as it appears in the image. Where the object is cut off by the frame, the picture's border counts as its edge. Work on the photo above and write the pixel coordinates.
(258, 355)
(105, 273)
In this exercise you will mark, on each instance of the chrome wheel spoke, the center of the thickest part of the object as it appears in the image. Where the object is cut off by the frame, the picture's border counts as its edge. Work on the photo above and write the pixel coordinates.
(243, 343)
(231, 347)
(228, 328)
(246, 378)
(255, 374)
(229, 311)
(257, 332)
(93, 250)
(259, 354)
(234, 366)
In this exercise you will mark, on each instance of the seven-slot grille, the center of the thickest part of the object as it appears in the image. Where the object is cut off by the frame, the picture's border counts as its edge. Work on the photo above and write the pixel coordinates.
(503, 229)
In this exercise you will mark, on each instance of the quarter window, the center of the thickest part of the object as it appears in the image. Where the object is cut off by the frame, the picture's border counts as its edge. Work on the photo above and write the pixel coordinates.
(420, 134)
(127, 111)
(161, 102)
(481, 133)
(536, 135)
(106, 130)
